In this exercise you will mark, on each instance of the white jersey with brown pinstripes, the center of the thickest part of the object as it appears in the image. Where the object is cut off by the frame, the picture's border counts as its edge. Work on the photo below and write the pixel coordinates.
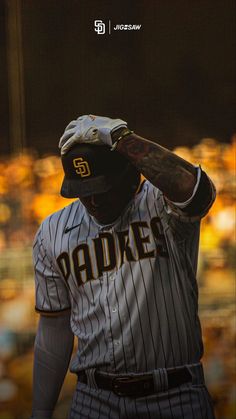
(131, 286)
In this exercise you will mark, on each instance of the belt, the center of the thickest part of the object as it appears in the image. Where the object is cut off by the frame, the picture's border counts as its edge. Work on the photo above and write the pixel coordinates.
(135, 385)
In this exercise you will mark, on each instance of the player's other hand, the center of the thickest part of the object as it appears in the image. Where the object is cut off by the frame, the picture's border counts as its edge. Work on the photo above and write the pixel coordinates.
(90, 129)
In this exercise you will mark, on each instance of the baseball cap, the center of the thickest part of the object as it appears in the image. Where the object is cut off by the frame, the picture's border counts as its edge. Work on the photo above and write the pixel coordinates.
(91, 169)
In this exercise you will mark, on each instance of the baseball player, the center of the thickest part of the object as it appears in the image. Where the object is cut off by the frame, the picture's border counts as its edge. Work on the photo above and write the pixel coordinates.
(117, 270)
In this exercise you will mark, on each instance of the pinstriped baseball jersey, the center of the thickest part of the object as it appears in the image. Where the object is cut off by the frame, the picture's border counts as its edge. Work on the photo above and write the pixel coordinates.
(131, 285)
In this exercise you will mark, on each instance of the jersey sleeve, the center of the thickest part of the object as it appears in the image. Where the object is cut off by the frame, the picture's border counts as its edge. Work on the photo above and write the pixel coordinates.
(51, 292)
(198, 205)
(184, 218)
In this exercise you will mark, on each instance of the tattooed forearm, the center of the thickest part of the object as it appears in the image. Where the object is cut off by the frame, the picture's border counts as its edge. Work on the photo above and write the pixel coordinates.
(174, 176)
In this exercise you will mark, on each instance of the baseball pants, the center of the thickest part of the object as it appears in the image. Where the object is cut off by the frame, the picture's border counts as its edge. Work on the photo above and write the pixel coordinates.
(188, 401)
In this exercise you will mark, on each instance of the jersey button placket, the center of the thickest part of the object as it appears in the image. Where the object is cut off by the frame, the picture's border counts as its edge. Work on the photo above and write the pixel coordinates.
(109, 316)
(114, 312)
(104, 277)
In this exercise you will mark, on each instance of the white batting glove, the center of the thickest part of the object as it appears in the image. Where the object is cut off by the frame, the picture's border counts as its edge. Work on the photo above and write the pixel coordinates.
(89, 129)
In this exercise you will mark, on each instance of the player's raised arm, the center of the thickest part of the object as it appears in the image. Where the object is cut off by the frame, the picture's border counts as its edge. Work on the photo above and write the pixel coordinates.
(178, 179)
(174, 176)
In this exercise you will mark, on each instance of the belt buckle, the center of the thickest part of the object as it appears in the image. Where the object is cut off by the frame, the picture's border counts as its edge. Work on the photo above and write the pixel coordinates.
(117, 381)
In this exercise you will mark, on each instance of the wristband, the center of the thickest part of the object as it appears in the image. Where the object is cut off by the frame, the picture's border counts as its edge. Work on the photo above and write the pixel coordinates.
(125, 133)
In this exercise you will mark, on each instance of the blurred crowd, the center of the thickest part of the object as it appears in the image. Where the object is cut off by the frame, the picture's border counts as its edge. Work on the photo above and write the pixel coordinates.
(29, 191)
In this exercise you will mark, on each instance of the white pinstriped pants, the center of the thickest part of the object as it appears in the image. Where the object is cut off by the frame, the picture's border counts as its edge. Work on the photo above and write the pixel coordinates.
(188, 401)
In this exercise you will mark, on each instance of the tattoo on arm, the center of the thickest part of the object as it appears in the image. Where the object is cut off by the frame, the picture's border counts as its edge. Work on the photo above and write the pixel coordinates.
(174, 176)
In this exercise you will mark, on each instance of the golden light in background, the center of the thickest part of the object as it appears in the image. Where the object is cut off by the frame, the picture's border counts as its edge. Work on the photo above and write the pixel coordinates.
(5, 213)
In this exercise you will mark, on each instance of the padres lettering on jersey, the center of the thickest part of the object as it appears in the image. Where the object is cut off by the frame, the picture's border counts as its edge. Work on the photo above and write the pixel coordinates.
(110, 250)
(131, 286)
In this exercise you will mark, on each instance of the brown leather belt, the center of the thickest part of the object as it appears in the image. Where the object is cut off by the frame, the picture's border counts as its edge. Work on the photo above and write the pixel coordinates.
(136, 385)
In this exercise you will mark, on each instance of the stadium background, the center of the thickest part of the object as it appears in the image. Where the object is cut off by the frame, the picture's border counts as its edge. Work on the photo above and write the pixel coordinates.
(174, 81)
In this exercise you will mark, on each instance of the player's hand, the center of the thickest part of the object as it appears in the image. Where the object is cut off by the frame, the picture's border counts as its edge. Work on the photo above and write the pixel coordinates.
(90, 129)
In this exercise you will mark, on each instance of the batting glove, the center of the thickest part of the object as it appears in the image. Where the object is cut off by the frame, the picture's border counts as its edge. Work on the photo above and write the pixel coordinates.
(89, 129)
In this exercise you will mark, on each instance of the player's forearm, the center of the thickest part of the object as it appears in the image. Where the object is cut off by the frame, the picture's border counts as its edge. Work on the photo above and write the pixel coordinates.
(53, 348)
(174, 176)
(49, 376)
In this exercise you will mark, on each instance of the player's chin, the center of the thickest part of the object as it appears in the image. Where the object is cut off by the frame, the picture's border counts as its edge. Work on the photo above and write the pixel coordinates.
(105, 217)
(106, 220)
